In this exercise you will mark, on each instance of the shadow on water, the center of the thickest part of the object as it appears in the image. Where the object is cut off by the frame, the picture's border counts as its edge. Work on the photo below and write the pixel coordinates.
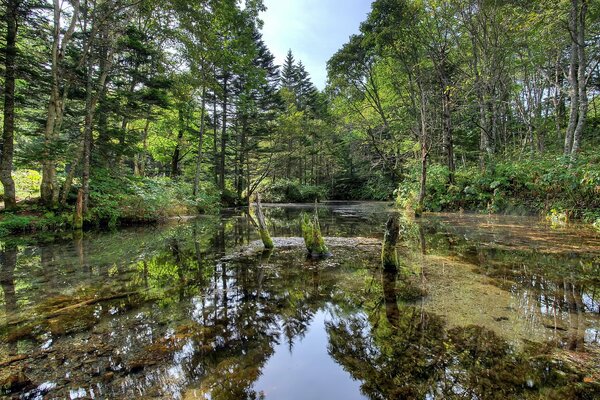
(185, 312)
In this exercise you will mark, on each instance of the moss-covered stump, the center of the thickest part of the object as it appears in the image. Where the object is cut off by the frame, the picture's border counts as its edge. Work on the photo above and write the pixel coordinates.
(389, 255)
(262, 226)
(313, 239)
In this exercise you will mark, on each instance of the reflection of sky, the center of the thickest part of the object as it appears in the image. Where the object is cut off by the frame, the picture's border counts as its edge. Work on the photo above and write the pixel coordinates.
(313, 29)
(307, 372)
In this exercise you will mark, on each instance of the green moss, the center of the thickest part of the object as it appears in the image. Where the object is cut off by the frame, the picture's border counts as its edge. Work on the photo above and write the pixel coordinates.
(266, 239)
(311, 232)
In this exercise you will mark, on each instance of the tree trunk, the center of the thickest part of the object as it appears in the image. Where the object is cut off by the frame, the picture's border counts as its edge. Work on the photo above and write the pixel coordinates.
(56, 103)
(262, 225)
(573, 79)
(91, 101)
(581, 78)
(66, 188)
(223, 137)
(175, 171)
(389, 255)
(7, 144)
(200, 143)
(448, 144)
(78, 214)
(142, 156)
(424, 156)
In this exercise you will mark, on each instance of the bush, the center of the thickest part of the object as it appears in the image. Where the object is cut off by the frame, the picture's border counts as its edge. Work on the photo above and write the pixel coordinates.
(11, 224)
(292, 191)
(118, 200)
(27, 184)
(549, 185)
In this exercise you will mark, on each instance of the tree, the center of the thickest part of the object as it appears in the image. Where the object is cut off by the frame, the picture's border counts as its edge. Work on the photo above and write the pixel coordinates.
(10, 65)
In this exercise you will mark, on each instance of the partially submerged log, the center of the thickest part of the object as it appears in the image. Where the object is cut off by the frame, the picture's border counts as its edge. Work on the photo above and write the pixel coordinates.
(313, 239)
(389, 255)
(262, 226)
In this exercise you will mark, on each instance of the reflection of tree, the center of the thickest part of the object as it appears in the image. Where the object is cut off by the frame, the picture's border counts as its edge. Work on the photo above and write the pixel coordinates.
(8, 263)
(401, 352)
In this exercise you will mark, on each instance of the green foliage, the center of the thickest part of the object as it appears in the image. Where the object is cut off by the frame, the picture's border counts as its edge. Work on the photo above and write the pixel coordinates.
(33, 222)
(293, 191)
(559, 186)
(27, 183)
(364, 187)
(14, 224)
(311, 232)
(117, 200)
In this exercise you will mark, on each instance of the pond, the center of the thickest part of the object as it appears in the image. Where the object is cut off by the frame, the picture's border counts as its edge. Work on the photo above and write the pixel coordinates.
(483, 307)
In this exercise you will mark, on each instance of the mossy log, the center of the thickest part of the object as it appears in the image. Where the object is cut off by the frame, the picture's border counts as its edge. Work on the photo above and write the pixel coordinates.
(389, 255)
(262, 226)
(313, 239)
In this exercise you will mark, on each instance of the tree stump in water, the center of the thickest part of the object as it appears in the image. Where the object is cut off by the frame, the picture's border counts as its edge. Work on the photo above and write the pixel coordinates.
(262, 226)
(313, 239)
(389, 255)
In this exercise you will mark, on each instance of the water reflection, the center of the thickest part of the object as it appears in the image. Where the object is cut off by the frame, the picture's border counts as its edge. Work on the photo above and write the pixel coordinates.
(182, 312)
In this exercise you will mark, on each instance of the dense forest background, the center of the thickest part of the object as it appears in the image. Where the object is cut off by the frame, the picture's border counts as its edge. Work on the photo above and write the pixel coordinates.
(150, 109)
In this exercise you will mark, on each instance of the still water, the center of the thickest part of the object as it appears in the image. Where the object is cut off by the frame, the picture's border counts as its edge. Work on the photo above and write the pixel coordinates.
(484, 307)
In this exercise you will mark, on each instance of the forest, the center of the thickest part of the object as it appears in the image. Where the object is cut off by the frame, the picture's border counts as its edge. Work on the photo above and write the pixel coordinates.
(136, 110)
(192, 211)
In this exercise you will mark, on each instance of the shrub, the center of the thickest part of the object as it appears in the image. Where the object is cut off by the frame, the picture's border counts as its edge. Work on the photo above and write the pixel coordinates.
(552, 185)
(115, 200)
(292, 191)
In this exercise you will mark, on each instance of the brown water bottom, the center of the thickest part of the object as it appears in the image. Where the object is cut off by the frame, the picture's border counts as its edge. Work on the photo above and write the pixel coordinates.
(481, 308)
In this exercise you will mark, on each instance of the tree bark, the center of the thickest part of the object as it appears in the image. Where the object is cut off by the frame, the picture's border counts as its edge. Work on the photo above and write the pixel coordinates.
(389, 255)
(581, 78)
(48, 187)
(448, 144)
(91, 101)
(573, 78)
(141, 169)
(200, 143)
(175, 171)
(223, 136)
(262, 225)
(7, 144)
(424, 156)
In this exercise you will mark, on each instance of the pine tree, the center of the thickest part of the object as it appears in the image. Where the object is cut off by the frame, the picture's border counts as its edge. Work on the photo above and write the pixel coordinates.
(289, 75)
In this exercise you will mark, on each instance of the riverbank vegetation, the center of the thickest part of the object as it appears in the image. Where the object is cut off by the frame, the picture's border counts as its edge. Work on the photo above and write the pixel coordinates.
(159, 109)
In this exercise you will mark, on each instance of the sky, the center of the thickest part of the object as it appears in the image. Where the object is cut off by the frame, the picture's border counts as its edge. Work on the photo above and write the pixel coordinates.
(313, 29)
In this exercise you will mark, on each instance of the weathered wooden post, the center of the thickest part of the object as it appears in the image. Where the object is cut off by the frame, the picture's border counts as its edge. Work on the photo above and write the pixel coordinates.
(389, 255)
(262, 225)
(78, 214)
(313, 239)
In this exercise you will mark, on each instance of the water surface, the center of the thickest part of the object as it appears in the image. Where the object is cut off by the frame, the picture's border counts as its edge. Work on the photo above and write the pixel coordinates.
(195, 310)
